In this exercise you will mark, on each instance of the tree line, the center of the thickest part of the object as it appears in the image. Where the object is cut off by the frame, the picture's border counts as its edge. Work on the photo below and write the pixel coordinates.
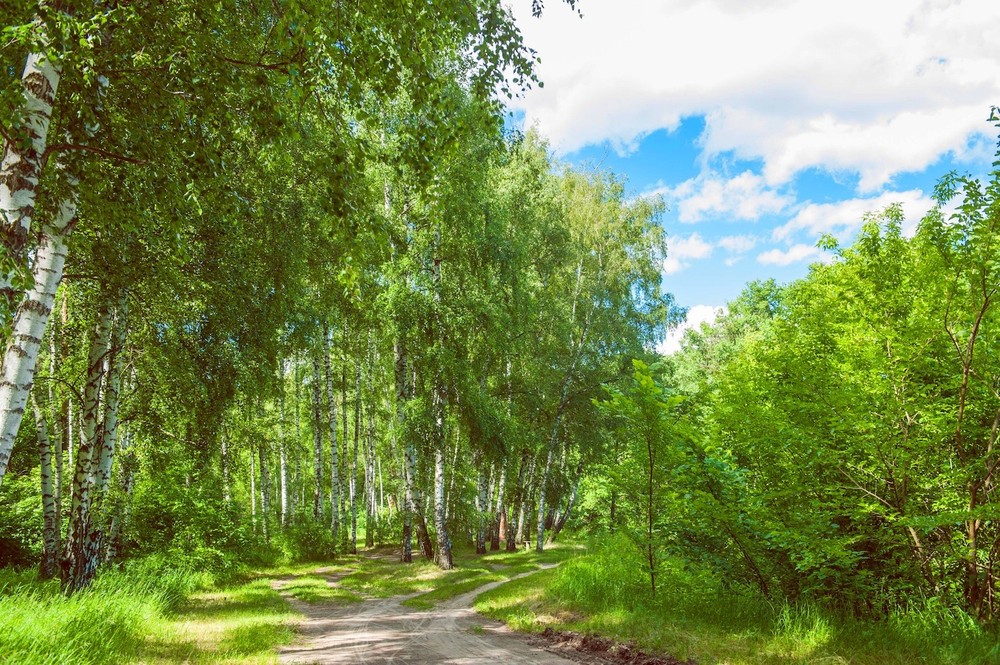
(831, 440)
(276, 277)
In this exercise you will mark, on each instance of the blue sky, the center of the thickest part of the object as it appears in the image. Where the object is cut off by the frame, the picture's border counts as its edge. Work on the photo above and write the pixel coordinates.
(765, 124)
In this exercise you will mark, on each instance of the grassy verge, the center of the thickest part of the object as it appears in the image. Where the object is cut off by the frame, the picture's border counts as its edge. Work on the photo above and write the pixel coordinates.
(384, 577)
(691, 617)
(314, 589)
(143, 614)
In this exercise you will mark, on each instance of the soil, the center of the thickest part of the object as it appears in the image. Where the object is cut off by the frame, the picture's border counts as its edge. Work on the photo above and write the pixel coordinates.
(382, 630)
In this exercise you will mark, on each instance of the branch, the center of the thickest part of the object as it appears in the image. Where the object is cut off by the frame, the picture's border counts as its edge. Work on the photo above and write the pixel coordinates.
(97, 151)
(6, 137)
(277, 66)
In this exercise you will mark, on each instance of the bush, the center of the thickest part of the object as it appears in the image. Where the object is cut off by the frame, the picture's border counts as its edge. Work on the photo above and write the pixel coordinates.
(306, 539)
(20, 520)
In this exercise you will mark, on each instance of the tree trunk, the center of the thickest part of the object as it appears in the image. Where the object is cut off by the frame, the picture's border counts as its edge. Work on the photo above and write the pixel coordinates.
(334, 463)
(50, 531)
(370, 517)
(444, 558)
(56, 342)
(542, 514)
(265, 490)
(77, 572)
(317, 441)
(112, 396)
(18, 369)
(499, 514)
(482, 510)
(20, 172)
(282, 454)
(120, 518)
(354, 460)
(399, 375)
(517, 509)
(563, 516)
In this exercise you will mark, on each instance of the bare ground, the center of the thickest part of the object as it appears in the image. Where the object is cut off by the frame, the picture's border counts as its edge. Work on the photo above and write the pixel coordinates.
(381, 630)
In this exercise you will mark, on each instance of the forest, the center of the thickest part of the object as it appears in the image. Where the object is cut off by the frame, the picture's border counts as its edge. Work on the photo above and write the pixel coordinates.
(283, 287)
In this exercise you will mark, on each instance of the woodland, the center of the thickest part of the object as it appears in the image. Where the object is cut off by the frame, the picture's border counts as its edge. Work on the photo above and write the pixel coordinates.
(281, 286)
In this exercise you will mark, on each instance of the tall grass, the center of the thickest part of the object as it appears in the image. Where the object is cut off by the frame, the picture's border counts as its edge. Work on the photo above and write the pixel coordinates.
(694, 616)
(103, 624)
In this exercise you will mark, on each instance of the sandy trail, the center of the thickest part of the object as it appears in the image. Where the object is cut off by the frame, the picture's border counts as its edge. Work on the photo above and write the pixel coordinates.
(381, 630)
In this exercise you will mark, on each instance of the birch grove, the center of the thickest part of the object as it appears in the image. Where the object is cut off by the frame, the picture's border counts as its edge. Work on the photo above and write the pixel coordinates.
(259, 308)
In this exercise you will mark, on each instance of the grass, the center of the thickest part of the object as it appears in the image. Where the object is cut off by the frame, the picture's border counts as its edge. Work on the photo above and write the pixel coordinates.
(692, 617)
(315, 589)
(145, 613)
(241, 624)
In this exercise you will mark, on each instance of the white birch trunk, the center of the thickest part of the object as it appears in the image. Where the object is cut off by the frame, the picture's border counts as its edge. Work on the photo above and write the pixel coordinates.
(57, 432)
(78, 568)
(226, 496)
(265, 491)
(317, 441)
(253, 491)
(127, 482)
(335, 462)
(354, 461)
(18, 370)
(283, 455)
(21, 168)
(50, 531)
(112, 398)
(443, 556)
(482, 510)
(499, 511)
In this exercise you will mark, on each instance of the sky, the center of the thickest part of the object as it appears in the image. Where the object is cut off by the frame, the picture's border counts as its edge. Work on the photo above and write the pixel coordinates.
(765, 124)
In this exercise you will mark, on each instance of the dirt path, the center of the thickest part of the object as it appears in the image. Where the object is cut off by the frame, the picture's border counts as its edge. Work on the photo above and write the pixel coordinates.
(381, 630)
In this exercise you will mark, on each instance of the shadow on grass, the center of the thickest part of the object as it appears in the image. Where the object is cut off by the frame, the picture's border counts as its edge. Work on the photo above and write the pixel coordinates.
(244, 624)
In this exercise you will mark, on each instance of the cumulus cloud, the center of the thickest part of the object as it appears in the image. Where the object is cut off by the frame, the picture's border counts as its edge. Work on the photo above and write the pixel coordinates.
(744, 197)
(868, 88)
(794, 254)
(696, 316)
(680, 251)
(843, 218)
(737, 244)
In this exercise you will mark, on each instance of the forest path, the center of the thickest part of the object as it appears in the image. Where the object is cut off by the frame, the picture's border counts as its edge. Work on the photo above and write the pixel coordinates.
(382, 630)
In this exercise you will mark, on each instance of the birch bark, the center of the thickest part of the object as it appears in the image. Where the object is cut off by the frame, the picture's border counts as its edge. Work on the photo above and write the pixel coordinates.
(354, 460)
(21, 354)
(21, 167)
(77, 566)
(317, 441)
(49, 566)
(444, 558)
(500, 509)
(334, 464)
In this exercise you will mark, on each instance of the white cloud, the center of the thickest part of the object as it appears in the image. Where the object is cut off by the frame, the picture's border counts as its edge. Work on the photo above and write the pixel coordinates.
(868, 88)
(843, 218)
(793, 254)
(737, 244)
(696, 316)
(681, 250)
(746, 196)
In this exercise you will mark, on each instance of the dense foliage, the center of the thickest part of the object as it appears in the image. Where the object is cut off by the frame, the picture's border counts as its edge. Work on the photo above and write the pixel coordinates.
(283, 282)
(834, 439)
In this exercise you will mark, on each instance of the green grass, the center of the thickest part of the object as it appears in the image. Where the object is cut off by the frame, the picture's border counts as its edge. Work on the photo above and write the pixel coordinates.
(457, 584)
(241, 624)
(146, 613)
(383, 578)
(692, 617)
(314, 589)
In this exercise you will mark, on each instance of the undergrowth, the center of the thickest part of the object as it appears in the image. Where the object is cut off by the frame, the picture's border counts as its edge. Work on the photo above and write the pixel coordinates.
(145, 612)
(693, 616)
